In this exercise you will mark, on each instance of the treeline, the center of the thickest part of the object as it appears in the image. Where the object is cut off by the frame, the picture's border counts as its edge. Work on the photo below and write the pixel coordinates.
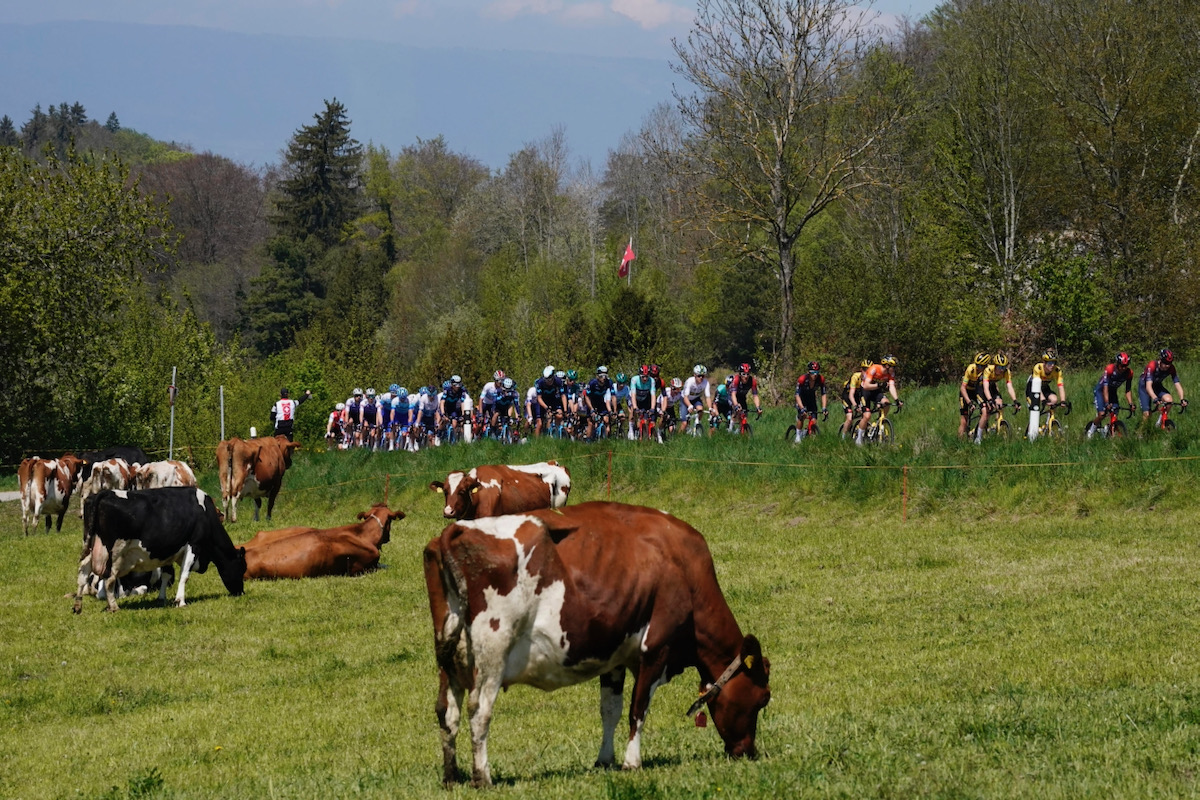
(1004, 175)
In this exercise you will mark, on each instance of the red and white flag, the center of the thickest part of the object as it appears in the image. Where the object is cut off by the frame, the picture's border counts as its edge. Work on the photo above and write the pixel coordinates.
(626, 260)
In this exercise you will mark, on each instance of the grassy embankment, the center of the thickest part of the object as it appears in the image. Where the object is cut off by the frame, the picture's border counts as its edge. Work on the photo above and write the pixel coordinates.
(1027, 631)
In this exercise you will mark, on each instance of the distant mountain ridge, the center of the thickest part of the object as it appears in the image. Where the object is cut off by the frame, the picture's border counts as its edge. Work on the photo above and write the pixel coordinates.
(242, 96)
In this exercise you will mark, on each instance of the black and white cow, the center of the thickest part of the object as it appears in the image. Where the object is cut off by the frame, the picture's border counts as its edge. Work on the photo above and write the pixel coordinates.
(128, 532)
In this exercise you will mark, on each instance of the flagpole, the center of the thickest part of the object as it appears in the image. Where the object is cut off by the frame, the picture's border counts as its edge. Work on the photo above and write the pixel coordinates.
(629, 276)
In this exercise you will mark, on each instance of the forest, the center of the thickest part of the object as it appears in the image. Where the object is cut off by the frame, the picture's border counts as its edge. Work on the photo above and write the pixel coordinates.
(1001, 175)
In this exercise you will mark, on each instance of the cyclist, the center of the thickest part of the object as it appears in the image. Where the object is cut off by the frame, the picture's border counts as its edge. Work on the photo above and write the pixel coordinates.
(506, 402)
(671, 407)
(697, 393)
(722, 406)
(645, 394)
(851, 396)
(1105, 393)
(487, 395)
(1150, 385)
(998, 373)
(807, 386)
(401, 412)
(353, 418)
(746, 385)
(548, 402)
(622, 399)
(659, 384)
(877, 379)
(970, 392)
(428, 411)
(451, 403)
(385, 421)
(370, 418)
(573, 394)
(598, 400)
(333, 428)
(1046, 374)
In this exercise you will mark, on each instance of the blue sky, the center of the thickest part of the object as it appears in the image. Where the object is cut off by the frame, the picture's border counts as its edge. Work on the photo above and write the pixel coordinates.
(594, 27)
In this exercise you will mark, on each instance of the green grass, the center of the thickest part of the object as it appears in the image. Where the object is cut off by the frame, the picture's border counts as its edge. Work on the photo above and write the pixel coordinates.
(1026, 632)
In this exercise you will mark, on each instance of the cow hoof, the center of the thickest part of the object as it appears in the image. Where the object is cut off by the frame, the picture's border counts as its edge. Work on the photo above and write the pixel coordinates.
(77, 608)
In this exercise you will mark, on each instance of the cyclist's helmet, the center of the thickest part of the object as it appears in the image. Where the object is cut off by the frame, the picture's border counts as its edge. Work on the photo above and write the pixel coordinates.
(340, 407)
(888, 361)
(508, 383)
(498, 375)
(357, 392)
(402, 393)
(572, 375)
(370, 392)
(394, 389)
(456, 380)
(644, 371)
(1000, 360)
(654, 370)
(1050, 355)
(982, 359)
(433, 390)
(814, 366)
(1122, 359)
(601, 370)
(722, 390)
(547, 372)
(866, 362)
(445, 386)
(676, 383)
(744, 369)
(424, 392)
(622, 377)
(1166, 356)
(698, 370)
(560, 374)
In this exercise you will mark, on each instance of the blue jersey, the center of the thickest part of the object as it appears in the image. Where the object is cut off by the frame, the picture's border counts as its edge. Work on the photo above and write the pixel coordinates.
(621, 395)
(550, 391)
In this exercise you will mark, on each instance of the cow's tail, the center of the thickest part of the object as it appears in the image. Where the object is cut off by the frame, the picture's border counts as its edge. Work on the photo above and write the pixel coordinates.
(443, 576)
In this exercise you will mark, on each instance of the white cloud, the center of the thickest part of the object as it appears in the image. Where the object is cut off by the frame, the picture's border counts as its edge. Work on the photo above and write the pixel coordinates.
(651, 13)
(509, 9)
(585, 12)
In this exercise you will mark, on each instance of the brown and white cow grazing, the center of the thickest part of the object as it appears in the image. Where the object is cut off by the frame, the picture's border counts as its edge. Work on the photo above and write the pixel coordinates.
(46, 486)
(160, 474)
(554, 598)
(312, 552)
(252, 468)
(492, 490)
(112, 473)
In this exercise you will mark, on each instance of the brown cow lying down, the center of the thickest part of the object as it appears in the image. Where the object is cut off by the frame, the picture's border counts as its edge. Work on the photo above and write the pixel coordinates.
(252, 468)
(492, 490)
(311, 553)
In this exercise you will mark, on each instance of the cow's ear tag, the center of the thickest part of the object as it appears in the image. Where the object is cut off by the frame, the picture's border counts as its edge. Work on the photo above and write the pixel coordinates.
(474, 489)
(701, 720)
(749, 662)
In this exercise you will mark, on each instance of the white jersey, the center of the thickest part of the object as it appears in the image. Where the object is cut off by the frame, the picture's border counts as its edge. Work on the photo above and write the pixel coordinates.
(284, 410)
(673, 397)
(694, 387)
(488, 395)
(427, 404)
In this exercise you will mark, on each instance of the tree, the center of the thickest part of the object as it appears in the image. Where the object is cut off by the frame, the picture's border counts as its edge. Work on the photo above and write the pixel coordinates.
(780, 126)
(8, 133)
(319, 190)
(112, 125)
(75, 235)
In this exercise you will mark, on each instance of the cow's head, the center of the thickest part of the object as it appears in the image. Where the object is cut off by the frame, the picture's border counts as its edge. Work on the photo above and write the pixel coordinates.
(735, 705)
(459, 490)
(286, 448)
(384, 516)
(233, 572)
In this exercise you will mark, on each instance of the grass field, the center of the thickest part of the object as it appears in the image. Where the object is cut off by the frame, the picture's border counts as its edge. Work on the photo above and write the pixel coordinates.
(1027, 631)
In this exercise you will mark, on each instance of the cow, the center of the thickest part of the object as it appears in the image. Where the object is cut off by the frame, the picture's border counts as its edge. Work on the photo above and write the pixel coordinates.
(160, 474)
(46, 485)
(112, 473)
(252, 468)
(129, 454)
(492, 490)
(552, 598)
(311, 553)
(140, 531)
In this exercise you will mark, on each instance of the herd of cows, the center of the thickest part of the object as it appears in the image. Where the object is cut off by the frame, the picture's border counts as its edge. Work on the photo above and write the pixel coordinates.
(523, 589)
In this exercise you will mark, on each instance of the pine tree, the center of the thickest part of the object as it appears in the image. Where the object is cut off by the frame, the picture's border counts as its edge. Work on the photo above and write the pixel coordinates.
(113, 124)
(78, 115)
(320, 187)
(8, 133)
(34, 131)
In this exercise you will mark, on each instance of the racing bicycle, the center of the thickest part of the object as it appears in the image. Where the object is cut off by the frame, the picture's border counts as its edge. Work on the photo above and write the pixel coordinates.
(808, 425)
(1111, 426)
(997, 425)
(1164, 421)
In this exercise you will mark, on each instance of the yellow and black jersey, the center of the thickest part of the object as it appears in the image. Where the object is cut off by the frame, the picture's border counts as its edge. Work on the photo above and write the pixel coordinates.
(994, 374)
(971, 377)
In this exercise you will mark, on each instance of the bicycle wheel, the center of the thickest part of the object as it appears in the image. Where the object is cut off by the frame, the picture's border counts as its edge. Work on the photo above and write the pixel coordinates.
(1004, 430)
(814, 430)
(1118, 430)
(886, 435)
(1054, 429)
(790, 434)
(1168, 425)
